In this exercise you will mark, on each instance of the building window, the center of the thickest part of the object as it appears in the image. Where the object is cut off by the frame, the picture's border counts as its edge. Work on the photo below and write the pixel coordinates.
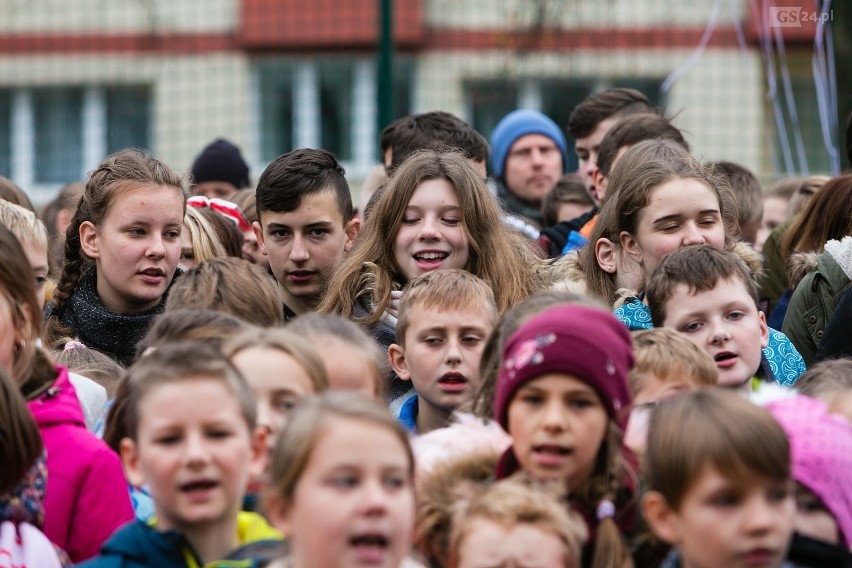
(325, 103)
(51, 136)
(489, 100)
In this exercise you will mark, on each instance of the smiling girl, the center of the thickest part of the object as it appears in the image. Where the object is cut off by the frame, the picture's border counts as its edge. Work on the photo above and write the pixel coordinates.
(436, 212)
(121, 254)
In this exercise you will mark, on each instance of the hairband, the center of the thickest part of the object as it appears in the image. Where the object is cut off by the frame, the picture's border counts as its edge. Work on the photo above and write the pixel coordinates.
(606, 509)
(228, 209)
(71, 345)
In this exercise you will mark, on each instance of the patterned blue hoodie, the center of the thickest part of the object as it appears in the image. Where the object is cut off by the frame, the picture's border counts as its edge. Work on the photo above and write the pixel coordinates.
(780, 361)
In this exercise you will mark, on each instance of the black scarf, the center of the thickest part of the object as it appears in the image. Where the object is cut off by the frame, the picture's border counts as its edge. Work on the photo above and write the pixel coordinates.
(514, 204)
(98, 328)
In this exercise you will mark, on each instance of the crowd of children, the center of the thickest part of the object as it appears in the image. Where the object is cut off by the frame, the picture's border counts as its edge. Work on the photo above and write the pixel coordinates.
(529, 369)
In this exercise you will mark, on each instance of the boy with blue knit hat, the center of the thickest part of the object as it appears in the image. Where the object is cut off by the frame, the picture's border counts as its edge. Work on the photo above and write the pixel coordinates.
(529, 154)
(219, 171)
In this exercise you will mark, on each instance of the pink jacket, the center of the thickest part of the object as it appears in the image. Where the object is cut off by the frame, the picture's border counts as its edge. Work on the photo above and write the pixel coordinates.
(87, 497)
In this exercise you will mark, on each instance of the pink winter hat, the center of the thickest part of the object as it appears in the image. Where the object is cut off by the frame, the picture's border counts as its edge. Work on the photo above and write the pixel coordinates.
(821, 452)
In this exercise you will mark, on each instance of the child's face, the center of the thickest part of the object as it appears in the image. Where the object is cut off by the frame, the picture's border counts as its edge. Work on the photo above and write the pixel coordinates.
(722, 524)
(442, 354)
(195, 452)
(348, 368)
(278, 381)
(354, 503)
(655, 389)
(813, 519)
(187, 254)
(136, 248)
(679, 213)
(305, 246)
(557, 423)
(489, 544)
(37, 257)
(726, 323)
(9, 333)
(431, 234)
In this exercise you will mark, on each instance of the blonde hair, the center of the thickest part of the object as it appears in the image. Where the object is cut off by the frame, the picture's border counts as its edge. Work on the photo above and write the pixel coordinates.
(667, 354)
(90, 363)
(205, 242)
(24, 224)
(442, 290)
(712, 427)
(310, 420)
(285, 341)
(501, 257)
(511, 503)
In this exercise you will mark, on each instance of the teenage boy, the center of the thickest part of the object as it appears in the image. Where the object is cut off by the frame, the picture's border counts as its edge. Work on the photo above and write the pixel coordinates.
(305, 224)
(593, 118)
(445, 317)
(710, 296)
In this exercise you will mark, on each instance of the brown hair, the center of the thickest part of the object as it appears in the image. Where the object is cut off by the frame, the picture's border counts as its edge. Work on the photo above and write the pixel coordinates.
(511, 503)
(700, 268)
(169, 364)
(444, 290)
(667, 354)
(717, 428)
(116, 176)
(438, 130)
(320, 328)
(20, 442)
(603, 105)
(635, 177)
(827, 380)
(32, 367)
(746, 188)
(499, 256)
(569, 189)
(92, 364)
(246, 200)
(231, 285)
(9, 191)
(631, 130)
(285, 341)
(308, 423)
(827, 216)
(226, 231)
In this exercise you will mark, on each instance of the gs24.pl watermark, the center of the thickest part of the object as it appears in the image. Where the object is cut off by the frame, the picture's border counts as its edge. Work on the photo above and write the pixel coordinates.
(794, 17)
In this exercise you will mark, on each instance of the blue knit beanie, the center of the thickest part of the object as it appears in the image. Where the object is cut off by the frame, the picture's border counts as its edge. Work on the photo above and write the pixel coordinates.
(520, 123)
(221, 161)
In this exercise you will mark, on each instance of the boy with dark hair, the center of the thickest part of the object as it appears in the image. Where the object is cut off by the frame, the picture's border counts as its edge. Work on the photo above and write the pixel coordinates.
(567, 200)
(749, 196)
(594, 117)
(305, 224)
(710, 296)
(436, 130)
(628, 132)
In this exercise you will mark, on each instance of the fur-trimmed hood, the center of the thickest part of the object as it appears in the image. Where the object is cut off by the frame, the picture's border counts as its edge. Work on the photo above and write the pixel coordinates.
(800, 264)
(840, 251)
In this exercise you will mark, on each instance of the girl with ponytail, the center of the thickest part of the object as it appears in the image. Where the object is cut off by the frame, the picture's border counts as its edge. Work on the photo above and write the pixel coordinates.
(562, 394)
(121, 255)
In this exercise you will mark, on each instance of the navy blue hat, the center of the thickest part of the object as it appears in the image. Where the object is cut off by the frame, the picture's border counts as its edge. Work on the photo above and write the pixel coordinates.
(520, 123)
(221, 161)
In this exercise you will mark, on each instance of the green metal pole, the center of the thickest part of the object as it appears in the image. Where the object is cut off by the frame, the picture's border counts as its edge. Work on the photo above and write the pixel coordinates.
(385, 64)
